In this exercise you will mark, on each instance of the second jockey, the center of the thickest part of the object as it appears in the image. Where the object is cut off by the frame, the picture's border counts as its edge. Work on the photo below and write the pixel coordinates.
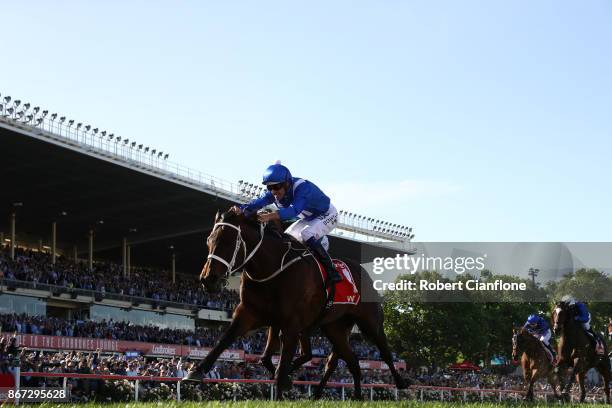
(538, 327)
(583, 316)
(298, 198)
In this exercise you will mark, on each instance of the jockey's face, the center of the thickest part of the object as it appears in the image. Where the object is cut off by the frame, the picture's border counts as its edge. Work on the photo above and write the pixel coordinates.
(278, 190)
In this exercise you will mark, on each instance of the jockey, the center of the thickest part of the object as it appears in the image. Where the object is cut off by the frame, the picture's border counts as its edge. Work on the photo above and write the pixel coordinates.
(538, 327)
(298, 198)
(583, 316)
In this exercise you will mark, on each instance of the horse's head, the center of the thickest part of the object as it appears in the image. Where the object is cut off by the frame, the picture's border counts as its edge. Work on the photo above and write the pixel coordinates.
(560, 316)
(226, 250)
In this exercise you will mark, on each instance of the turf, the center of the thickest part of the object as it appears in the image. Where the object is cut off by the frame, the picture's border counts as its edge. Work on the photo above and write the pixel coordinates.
(306, 404)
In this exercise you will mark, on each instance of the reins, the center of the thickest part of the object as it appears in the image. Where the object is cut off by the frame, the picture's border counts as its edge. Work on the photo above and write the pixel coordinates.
(240, 243)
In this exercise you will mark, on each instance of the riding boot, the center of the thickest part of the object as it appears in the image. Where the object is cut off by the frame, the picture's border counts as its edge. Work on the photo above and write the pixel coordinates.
(552, 351)
(592, 337)
(322, 256)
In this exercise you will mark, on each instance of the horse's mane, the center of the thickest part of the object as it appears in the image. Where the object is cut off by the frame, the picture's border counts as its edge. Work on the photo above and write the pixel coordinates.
(272, 229)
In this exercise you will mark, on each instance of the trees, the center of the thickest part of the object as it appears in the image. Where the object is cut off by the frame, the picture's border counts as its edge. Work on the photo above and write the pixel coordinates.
(436, 328)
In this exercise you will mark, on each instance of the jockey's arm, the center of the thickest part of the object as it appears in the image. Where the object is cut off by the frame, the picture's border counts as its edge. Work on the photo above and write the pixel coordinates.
(257, 203)
(293, 210)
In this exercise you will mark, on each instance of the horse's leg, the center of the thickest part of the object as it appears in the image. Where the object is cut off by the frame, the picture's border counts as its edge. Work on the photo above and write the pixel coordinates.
(372, 326)
(606, 372)
(305, 353)
(338, 335)
(330, 367)
(272, 344)
(242, 322)
(577, 364)
(580, 378)
(289, 340)
(529, 377)
(553, 381)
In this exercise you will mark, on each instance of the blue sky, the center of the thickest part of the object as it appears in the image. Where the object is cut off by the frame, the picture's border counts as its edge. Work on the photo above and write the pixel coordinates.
(469, 120)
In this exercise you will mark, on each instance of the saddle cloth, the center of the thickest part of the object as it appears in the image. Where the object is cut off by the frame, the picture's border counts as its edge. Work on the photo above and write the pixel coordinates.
(346, 291)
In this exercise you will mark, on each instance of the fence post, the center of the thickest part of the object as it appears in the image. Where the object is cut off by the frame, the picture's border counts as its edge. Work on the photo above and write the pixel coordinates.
(17, 374)
(481, 396)
(309, 390)
(500, 396)
(343, 395)
(421, 394)
(396, 394)
(234, 391)
(65, 385)
(178, 391)
(464, 396)
(371, 393)
(136, 384)
(441, 395)
(271, 392)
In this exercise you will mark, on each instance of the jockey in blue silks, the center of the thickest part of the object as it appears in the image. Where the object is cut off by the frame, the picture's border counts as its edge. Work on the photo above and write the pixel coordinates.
(298, 198)
(539, 327)
(582, 316)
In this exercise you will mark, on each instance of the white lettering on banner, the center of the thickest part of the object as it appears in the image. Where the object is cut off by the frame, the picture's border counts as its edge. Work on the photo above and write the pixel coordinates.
(198, 353)
(364, 364)
(158, 349)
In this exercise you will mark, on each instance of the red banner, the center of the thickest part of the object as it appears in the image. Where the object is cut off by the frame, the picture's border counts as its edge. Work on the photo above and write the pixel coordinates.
(36, 341)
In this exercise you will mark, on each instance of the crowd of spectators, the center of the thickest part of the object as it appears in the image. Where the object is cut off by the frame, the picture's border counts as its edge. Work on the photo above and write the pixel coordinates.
(120, 364)
(123, 390)
(106, 277)
(201, 337)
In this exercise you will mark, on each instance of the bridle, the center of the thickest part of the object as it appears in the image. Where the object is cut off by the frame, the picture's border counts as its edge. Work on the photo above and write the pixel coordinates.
(239, 243)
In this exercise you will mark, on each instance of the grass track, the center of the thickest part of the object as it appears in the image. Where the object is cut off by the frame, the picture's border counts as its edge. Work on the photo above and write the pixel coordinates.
(307, 404)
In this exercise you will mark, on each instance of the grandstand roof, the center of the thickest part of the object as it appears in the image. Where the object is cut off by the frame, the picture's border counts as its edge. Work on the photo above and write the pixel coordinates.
(113, 199)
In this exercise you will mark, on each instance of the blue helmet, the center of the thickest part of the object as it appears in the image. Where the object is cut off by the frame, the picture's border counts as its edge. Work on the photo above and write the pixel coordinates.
(276, 173)
(533, 319)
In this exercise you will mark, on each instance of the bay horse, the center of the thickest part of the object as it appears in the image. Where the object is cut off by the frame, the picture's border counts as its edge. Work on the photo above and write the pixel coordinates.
(284, 294)
(575, 351)
(534, 361)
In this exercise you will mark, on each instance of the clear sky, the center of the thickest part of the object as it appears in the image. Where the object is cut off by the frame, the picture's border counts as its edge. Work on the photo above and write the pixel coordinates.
(469, 120)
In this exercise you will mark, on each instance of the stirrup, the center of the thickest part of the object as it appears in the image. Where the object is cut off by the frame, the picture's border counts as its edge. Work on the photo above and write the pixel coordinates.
(329, 302)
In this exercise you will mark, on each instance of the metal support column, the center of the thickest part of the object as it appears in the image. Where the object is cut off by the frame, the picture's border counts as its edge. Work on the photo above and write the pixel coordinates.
(173, 267)
(13, 236)
(124, 256)
(91, 238)
(53, 241)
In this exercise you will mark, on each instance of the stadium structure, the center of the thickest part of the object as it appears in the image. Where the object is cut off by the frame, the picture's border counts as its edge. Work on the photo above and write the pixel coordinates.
(76, 191)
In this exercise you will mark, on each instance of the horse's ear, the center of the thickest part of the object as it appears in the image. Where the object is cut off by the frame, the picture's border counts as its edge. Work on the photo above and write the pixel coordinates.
(217, 216)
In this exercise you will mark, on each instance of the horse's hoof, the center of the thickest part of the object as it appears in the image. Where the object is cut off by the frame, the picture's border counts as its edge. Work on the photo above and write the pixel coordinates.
(193, 376)
(284, 384)
(402, 383)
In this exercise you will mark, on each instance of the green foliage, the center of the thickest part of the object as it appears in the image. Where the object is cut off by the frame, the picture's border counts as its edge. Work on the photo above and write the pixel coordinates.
(437, 328)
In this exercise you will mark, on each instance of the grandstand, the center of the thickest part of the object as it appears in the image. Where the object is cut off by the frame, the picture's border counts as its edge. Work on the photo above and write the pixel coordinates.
(96, 227)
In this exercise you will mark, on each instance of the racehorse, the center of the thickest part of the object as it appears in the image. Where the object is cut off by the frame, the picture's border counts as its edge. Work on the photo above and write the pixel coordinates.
(534, 360)
(575, 351)
(284, 294)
